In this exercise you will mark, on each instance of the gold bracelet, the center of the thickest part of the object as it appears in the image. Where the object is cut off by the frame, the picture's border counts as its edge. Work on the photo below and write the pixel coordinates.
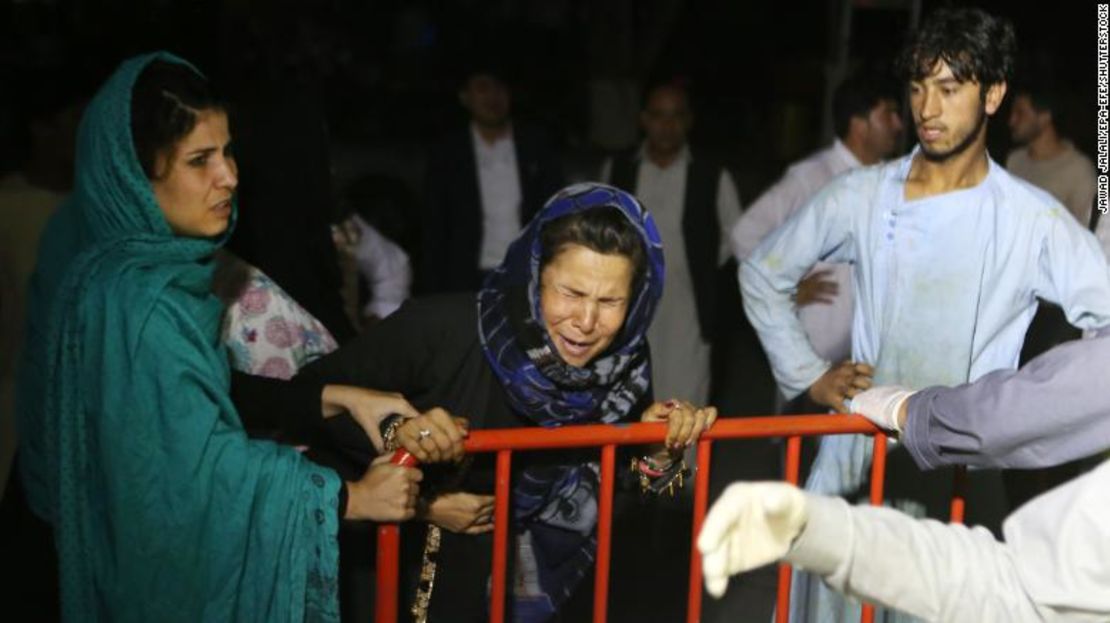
(389, 438)
(657, 481)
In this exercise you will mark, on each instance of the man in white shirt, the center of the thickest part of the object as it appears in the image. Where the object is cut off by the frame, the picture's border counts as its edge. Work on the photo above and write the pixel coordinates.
(484, 183)
(694, 202)
(867, 124)
(945, 245)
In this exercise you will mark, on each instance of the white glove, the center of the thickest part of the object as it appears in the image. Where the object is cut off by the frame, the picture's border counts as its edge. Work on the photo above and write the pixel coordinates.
(751, 524)
(881, 404)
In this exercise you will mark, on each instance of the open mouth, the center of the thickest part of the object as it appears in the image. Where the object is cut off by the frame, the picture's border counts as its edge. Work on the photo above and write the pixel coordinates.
(575, 348)
(222, 208)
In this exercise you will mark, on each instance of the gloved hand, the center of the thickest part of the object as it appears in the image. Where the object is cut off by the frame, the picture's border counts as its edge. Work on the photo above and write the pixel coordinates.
(881, 404)
(751, 524)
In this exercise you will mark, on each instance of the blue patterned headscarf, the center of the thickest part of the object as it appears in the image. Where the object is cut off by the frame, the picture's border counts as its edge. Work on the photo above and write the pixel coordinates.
(555, 506)
(539, 384)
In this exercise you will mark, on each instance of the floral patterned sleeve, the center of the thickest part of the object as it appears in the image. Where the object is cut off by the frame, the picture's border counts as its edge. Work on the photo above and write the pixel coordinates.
(268, 334)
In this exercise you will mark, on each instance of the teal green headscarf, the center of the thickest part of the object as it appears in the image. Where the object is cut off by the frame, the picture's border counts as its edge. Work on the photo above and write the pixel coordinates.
(162, 508)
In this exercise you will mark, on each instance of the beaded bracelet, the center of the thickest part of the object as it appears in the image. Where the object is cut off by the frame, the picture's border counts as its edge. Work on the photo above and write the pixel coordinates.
(389, 432)
(655, 479)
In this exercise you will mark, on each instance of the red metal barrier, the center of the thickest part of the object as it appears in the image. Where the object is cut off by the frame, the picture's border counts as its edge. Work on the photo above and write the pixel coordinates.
(505, 441)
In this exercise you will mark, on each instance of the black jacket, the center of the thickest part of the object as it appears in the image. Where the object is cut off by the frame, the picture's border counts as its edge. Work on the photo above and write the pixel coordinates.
(452, 220)
(430, 352)
(700, 227)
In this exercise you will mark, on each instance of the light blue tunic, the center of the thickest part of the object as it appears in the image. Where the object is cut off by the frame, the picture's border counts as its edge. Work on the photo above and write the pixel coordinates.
(946, 286)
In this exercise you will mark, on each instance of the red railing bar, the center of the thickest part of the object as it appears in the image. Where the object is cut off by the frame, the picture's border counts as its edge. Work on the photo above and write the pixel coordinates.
(506, 440)
(959, 494)
(593, 435)
(793, 469)
(604, 532)
(500, 536)
(878, 481)
(701, 501)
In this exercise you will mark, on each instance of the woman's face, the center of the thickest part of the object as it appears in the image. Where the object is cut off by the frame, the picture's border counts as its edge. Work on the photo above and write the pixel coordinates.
(584, 298)
(196, 181)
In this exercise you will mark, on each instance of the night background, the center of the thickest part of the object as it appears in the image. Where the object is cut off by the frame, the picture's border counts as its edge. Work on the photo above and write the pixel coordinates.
(384, 76)
(388, 72)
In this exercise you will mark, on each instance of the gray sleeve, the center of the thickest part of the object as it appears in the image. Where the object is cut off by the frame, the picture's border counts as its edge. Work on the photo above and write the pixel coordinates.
(1053, 410)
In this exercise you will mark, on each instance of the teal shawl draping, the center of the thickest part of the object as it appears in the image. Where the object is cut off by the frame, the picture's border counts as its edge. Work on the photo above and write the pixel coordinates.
(163, 509)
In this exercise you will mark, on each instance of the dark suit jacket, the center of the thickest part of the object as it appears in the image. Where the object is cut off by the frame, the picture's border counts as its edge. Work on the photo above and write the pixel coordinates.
(452, 222)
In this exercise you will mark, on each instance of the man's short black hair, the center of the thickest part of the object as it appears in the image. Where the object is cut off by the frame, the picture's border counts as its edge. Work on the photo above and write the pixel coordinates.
(977, 46)
(857, 96)
(603, 229)
(676, 83)
(482, 65)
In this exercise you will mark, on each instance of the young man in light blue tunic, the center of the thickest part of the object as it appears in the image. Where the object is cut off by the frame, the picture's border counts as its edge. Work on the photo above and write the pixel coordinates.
(949, 253)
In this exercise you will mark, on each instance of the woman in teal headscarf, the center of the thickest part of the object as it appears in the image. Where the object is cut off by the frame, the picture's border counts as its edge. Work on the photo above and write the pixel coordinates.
(162, 509)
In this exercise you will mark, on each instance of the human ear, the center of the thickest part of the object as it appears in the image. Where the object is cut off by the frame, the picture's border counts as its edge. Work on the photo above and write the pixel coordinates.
(995, 93)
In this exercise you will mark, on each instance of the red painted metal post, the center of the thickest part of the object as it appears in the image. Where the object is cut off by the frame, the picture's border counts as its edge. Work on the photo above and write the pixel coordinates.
(500, 536)
(959, 493)
(878, 482)
(388, 560)
(701, 501)
(604, 532)
(793, 467)
(878, 470)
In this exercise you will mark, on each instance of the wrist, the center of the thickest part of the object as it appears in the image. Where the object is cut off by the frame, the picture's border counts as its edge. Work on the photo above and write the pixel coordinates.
(389, 427)
(821, 542)
(332, 400)
(352, 509)
(427, 509)
(660, 455)
(897, 410)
